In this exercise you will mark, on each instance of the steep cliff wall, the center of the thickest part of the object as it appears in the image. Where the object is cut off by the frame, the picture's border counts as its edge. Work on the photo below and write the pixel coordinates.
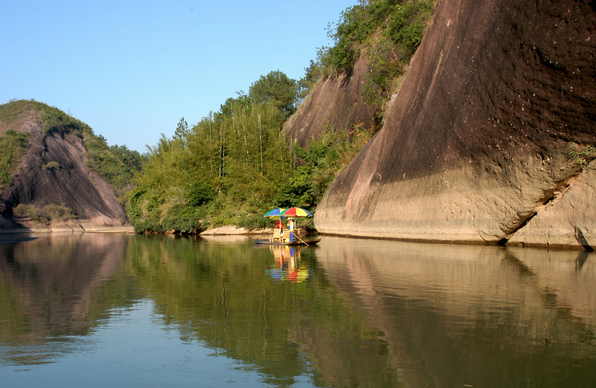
(53, 171)
(475, 145)
(336, 104)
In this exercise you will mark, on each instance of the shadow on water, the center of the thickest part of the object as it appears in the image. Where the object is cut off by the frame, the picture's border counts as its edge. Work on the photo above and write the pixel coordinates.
(350, 313)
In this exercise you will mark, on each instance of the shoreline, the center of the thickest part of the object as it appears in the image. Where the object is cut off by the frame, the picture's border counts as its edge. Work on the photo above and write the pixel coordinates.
(67, 229)
(232, 230)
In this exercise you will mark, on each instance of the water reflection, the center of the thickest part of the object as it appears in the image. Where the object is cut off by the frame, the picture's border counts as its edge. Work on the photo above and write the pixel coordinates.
(474, 315)
(49, 291)
(288, 266)
(350, 313)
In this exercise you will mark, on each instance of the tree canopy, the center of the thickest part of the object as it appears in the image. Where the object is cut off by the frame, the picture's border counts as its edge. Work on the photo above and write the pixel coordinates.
(277, 89)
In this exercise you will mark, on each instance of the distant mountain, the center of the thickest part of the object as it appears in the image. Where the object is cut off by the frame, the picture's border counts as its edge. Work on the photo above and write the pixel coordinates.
(45, 179)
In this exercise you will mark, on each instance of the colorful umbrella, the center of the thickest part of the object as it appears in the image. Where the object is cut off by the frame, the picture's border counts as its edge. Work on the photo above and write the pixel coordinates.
(275, 214)
(296, 212)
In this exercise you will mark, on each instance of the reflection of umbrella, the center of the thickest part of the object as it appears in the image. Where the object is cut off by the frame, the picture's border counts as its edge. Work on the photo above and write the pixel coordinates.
(296, 212)
(275, 214)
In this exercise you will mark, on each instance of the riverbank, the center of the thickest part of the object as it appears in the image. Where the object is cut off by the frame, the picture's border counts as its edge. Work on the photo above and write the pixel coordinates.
(229, 230)
(68, 229)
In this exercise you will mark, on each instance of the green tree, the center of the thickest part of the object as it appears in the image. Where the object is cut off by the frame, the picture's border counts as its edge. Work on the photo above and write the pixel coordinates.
(227, 170)
(277, 89)
(181, 130)
(312, 74)
(12, 147)
(387, 31)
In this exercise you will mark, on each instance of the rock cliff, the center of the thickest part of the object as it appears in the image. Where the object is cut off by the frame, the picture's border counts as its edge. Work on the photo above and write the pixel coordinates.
(53, 172)
(476, 145)
(335, 104)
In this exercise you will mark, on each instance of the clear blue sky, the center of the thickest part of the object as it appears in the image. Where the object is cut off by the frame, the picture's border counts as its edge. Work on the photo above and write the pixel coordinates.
(132, 69)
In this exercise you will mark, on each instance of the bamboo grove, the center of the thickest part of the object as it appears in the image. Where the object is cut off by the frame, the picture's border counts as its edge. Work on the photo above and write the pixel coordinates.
(225, 168)
(232, 167)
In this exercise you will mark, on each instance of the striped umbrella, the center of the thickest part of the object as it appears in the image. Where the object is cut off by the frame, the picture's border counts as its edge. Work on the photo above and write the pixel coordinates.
(296, 212)
(275, 214)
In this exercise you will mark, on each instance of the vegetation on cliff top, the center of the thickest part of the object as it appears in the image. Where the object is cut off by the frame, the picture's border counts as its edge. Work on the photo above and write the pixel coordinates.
(12, 147)
(387, 31)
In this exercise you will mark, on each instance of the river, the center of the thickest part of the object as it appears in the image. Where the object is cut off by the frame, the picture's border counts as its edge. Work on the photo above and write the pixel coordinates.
(97, 310)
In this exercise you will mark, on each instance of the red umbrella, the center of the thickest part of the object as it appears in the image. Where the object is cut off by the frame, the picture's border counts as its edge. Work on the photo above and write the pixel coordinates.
(296, 212)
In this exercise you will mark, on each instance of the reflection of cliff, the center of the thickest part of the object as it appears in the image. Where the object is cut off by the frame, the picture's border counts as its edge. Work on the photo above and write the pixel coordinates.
(429, 300)
(48, 285)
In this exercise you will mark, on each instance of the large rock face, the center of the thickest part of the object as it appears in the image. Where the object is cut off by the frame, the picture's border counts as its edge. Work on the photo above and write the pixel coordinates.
(475, 145)
(335, 104)
(72, 184)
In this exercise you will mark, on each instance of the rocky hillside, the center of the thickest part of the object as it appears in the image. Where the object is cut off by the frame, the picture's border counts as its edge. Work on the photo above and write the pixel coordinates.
(50, 186)
(336, 104)
(490, 138)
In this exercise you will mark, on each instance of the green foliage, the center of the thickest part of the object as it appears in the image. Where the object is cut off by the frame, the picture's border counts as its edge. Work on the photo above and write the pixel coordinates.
(277, 89)
(389, 31)
(223, 170)
(59, 213)
(184, 218)
(12, 147)
(53, 119)
(16, 111)
(321, 162)
(45, 215)
(181, 130)
(581, 155)
(407, 23)
(116, 164)
(312, 74)
(200, 193)
(32, 212)
(52, 166)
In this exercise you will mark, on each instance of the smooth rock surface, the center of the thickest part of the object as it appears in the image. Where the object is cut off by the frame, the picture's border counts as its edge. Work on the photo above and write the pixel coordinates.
(72, 185)
(475, 145)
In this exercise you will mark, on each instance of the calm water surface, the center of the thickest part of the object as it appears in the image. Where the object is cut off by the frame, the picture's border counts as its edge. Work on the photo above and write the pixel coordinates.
(95, 310)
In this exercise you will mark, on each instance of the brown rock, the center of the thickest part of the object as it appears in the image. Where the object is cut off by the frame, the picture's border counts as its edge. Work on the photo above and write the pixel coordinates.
(475, 142)
(335, 104)
(566, 220)
(69, 182)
